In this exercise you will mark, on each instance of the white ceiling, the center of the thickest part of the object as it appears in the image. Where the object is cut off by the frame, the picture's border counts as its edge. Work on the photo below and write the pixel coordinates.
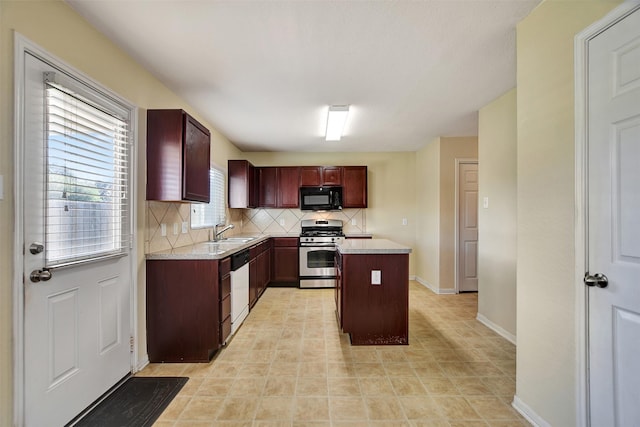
(264, 72)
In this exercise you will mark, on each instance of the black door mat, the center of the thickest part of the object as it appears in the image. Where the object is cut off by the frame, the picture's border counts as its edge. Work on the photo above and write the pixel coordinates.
(136, 403)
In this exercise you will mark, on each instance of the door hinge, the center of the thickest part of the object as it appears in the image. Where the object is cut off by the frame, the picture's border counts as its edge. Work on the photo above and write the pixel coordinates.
(131, 344)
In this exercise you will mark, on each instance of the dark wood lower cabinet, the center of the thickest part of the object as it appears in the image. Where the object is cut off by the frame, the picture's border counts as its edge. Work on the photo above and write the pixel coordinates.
(183, 310)
(259, 270)
(373, 314)
(225, 299)
(285, 268)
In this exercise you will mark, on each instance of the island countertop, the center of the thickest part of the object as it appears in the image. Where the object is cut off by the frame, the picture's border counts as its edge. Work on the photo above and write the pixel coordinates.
(372, 246)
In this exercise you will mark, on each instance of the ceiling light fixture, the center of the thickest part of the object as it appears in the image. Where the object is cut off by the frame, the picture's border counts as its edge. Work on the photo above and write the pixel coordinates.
(336, 119)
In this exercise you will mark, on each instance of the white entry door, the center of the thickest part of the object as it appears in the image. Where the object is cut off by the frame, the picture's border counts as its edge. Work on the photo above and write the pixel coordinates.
(77, 266)
(614, 224)
(467, 257)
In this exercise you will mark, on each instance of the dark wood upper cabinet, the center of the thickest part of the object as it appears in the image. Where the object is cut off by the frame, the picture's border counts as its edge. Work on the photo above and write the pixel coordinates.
(288, 187)
(314, 176)
(279, 187)
(242, 191)
(310, 176)
(354, 183)
(178, 155)
(331, 175)
(268, 187)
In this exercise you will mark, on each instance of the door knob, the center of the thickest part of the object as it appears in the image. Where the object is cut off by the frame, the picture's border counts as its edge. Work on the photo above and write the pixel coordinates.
(36, 248)
(599, 280)
(40, 275)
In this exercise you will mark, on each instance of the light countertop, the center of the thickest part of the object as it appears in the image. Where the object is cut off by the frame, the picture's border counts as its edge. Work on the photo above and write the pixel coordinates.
(210, 250)
(372, 246)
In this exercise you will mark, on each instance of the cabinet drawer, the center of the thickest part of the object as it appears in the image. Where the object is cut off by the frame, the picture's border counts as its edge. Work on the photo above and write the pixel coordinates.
(285, 242)
(225, 307)
(254, 251)
(225, 329)
(225, 266)
(225, 287)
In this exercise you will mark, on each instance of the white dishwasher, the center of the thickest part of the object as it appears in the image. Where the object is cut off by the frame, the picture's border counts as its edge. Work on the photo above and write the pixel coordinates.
(239, 289)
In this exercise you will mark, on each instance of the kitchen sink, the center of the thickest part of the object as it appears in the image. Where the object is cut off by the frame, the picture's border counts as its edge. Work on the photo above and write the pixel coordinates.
(238, 239)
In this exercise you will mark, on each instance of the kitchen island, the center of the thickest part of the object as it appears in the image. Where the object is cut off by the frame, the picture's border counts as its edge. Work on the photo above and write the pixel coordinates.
(372, 291)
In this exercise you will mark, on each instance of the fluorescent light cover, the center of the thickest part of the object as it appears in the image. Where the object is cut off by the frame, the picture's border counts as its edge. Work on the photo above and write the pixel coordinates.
(336, 119)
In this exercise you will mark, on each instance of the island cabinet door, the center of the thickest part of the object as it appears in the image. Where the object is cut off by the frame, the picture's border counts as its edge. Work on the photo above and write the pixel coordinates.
(372, 313)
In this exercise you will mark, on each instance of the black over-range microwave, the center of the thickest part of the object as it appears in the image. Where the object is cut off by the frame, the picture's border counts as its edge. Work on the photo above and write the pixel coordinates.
(320, 198)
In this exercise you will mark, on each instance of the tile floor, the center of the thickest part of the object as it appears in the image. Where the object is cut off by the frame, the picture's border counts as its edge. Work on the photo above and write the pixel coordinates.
(288, 365)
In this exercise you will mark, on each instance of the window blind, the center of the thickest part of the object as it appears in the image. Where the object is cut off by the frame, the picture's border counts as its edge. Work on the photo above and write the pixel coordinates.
(87, 155)
(212, 213)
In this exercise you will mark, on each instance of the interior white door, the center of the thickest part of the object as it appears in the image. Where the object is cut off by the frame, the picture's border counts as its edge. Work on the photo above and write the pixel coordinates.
(77, 322)
(614, 224)
(467, 227)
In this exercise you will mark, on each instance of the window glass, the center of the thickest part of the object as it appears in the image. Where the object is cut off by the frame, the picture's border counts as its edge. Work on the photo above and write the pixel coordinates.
(209, 214)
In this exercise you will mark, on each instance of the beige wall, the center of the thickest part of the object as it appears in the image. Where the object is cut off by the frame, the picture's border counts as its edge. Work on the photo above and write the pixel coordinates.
(428, 215)
(59, 30)
(497, 224)
(435, 197)
(391, 180)
(546, 355)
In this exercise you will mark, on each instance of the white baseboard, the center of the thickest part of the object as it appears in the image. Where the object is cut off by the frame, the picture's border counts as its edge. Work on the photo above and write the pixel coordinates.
(142, 363)
(497, 329)
(528, 413)
(433, 288)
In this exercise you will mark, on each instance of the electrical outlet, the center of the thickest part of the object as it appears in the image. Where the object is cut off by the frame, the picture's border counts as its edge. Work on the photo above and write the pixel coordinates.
(376, 277)
(404, 221)
(281, 221)
(175, 228)
(485, 202)
(163, 230)
(354, 221)
(185, 227)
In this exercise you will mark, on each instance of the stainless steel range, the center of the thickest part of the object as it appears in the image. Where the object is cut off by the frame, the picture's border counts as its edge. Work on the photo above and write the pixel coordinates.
(318, 241)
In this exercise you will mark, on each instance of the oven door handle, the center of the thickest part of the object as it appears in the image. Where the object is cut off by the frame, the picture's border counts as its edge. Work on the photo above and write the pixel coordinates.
(317, 245)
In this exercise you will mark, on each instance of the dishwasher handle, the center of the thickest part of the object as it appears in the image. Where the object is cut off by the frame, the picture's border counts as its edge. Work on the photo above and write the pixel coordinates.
(239, 259)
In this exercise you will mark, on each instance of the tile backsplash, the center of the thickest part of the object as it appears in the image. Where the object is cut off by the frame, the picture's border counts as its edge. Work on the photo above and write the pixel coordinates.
(246, 221)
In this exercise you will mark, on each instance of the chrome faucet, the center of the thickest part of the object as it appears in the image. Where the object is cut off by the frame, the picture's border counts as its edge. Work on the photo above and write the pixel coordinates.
(217, 233)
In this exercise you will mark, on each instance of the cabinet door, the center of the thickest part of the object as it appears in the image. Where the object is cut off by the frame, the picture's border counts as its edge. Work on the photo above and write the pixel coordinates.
(354, 187)
(310, 176)
(182, 310)
(288, 187)
(254, 278)
(241, 184)
(195, 161)
(268, 181)
(331, 175)
(285, 260)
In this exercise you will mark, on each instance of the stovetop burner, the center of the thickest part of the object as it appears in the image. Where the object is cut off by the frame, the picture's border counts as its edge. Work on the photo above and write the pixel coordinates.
(322, 233)
(321, 228)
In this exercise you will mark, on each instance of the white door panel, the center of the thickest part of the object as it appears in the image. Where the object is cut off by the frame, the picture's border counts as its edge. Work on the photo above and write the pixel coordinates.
(467, 258)
(613, 223)
(77, 324)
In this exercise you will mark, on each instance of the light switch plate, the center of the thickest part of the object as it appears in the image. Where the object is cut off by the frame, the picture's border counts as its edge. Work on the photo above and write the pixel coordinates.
(405, 221)
(354, 221)
(163, 230)
(376, 277)
(185, 227)
(175, 228)
(281, 221)
(485, 202)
